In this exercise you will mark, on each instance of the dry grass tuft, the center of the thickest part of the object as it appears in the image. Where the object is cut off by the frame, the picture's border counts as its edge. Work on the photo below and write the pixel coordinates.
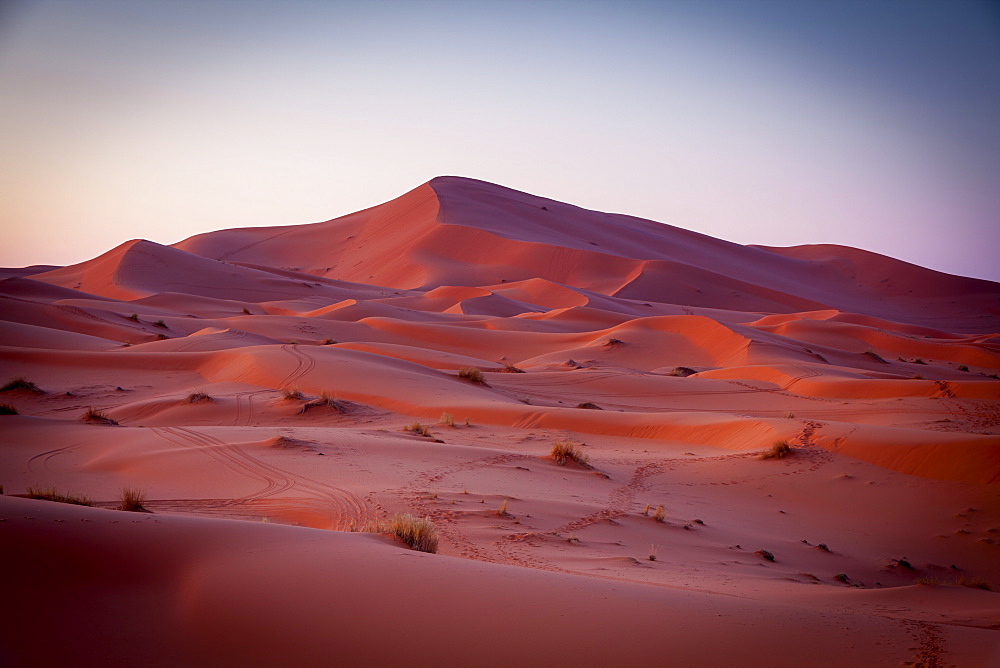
(590, 406)
(610, 343)
(779, 450)
(97, 416)
(132, 499)
(472, 374)
(292, 394)
(418, 429)
(683, 371)
(652, 553)
(419, 533)
(976, 583)
(160, 323)
(287, 443)
(660, 515)
(447, 419)
(20, 383)
(199, 397)
(325, 400)
(50, 494)
(764, 554)
(510, 368)
(502, 510)
(564, 451)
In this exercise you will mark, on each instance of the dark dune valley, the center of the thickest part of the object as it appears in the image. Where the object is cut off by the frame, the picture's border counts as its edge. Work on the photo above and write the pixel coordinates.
(633, 444)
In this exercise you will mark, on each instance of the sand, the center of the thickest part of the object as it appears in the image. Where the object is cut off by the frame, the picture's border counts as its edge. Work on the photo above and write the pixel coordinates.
(257, 383)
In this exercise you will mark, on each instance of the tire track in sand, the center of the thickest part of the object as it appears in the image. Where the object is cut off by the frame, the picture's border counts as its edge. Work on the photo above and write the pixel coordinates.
(348, 507)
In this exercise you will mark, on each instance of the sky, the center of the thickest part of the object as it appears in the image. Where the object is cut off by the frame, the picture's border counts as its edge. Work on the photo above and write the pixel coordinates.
(873, 124)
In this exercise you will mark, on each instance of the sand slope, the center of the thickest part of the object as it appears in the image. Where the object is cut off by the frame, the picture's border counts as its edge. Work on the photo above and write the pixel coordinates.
(258, 382)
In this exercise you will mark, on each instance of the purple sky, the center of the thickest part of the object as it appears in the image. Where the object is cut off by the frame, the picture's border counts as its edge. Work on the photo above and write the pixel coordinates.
(870, 124)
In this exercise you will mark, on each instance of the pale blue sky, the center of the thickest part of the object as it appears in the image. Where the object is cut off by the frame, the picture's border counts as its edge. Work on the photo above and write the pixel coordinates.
(871, 124)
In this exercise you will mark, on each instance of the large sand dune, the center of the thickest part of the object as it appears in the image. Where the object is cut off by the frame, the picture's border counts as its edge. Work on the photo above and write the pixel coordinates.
(260, 379)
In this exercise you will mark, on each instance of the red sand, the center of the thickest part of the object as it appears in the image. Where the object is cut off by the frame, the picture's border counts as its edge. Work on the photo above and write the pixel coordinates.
(879, 374)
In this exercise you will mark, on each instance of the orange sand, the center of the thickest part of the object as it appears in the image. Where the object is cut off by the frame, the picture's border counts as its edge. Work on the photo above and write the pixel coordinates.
(879, 374)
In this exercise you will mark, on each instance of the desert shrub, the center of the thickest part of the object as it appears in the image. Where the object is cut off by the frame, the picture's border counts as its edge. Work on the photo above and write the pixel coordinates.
(198, 397)
(325, 400)
(328, 342)
(610, 343)
(564, 451)
(683, 371)
(510, 368)
(919, 361)
(468, 422)
(162, 337)
(779, 450)
(652, 553)
(962, 367)
(447, 419)
(841, 577)
(20, 383)
(590, 406)
(977, 583)
(98, 416)
(292, 394)
(660, 514)
(160, 323)
(418, 429)
(246, 311)
(823, 547)
(50, 494)
(789, 415)
(132, 499)
(420, 534)
(134, 317)
(7, 409)
(764, 554)
(472, 374)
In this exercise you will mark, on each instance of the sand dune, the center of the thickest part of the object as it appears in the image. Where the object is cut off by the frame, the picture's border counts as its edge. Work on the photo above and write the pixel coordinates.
(273, 390)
